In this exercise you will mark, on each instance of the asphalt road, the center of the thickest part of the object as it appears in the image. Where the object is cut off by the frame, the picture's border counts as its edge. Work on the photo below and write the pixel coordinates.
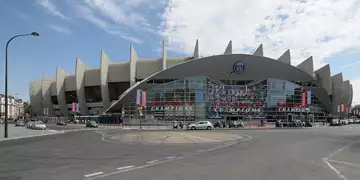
(282, 154)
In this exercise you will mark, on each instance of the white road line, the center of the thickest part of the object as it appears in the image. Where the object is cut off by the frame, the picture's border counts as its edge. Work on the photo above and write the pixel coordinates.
(346, 163)
(338, 173)
(93, 174)
(326, 159)
(151, 162)
(124, 167)
(170, 157)
(201, 150)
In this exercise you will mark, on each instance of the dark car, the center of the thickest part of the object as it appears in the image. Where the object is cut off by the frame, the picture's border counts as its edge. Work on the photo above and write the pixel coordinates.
(20, 123)
(91, 124)
(61, 123)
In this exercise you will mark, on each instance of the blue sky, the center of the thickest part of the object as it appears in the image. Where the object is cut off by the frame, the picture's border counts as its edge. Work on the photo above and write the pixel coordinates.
(82, 28)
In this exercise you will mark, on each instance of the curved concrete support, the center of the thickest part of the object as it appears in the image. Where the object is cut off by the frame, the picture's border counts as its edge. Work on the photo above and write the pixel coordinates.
(351, 95)
(80, 92)
(196, 50)
(346, 95)
(286, 57)
(307, 66)
(337, 88)
(324, 77)
(104, 71)
(259, 51)
(163, 57)
(60, 90)
(228, 49)
(322, 96)
(132, 70)
(46, 93)
(36, 99)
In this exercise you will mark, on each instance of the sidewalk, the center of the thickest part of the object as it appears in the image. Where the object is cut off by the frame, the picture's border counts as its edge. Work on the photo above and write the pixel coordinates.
(22, 132)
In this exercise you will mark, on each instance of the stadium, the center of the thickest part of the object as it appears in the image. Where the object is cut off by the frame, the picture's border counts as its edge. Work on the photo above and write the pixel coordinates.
(226, 86)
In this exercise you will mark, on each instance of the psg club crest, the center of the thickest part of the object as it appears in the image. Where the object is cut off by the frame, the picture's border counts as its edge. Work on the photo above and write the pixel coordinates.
(239, 67)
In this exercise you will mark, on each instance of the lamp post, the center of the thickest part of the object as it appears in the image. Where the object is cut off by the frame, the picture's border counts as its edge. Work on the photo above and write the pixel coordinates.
(6, 78)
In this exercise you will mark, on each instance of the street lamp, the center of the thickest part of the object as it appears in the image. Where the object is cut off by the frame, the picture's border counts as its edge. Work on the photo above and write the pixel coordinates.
(6, 78)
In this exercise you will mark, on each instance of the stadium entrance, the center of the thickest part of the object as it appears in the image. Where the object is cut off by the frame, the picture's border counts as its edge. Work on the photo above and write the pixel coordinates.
(202, 98)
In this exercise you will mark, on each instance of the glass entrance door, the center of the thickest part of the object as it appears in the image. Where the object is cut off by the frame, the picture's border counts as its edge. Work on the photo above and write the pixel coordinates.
(290, 117)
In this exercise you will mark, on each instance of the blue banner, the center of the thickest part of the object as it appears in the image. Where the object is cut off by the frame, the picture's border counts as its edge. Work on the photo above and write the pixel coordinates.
(308, 95)
(138, 97)
(77, 107)
(338, 108)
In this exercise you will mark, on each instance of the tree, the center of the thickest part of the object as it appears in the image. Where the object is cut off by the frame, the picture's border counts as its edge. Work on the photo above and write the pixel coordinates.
(28, 109)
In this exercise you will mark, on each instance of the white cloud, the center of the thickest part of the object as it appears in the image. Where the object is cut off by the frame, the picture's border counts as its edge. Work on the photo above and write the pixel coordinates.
(60, 29)
(89, 15)
(319, 28)
(51, 8)
(351, 64)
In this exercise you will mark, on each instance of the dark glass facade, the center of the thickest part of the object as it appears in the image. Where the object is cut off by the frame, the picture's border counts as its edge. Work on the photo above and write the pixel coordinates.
(202, 98)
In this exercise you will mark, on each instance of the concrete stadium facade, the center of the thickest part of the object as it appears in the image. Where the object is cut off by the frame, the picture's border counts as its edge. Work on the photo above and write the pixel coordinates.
(114, 84)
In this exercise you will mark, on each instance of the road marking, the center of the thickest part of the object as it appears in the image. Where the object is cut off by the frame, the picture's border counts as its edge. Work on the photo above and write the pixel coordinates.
(125, 167)
(93, 174)
(170, 157)
(152, 162)
(346, 163)
(201, 150)
(165, 161)
(326, 159)
(341, 176)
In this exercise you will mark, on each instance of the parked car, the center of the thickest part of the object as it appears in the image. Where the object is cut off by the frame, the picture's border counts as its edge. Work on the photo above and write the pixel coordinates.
(236, 124)
(201, 125)
(39, 125)
(19, 123)
(91, 123)
(30, 124)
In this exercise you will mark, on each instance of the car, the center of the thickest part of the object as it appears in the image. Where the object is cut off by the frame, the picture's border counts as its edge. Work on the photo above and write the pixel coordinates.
(19, 123)
(61, 123)
(201, 125)
(91, 123)
(236, 124)
(39, 125)
(29, 124)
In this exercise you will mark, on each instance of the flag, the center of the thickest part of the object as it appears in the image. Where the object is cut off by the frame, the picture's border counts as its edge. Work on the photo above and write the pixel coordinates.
(347, 110)
(303, 99)
(342, 107)
(77, 107)
(138, 97)
(143, 98)
(46, 110)
(308, 100)
(338, 108)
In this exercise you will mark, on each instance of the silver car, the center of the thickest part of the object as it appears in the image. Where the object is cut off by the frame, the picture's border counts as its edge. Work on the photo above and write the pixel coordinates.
(39, 125)
(30, 124)
(201, 125)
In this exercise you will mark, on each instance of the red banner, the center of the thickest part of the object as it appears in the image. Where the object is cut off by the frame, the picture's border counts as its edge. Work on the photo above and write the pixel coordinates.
(347, 110)
(342, 107)
(357, 112)
(73, 107)
(143, 98)
(303, 99)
